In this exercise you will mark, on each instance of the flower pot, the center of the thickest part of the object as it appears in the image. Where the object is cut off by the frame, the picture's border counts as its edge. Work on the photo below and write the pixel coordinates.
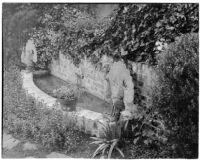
(68, 105)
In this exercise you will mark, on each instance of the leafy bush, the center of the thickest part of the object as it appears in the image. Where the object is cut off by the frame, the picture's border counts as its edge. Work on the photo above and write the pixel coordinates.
(23, 118)
(177, 91)
(170, 125)
(147, 129)
(65, 93)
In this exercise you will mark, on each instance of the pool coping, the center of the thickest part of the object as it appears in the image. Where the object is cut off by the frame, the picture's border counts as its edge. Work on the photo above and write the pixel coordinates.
(90, 122)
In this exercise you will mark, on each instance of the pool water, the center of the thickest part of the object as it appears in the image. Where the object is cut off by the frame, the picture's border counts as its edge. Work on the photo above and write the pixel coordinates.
(48, 83)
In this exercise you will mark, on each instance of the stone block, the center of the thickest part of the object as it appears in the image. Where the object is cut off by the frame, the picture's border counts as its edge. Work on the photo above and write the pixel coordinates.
(9, 142)
(81, 123)
(89, 125)
(29, 146)
(90, 114)
(90, 122)
(53, 105)
(56, 155)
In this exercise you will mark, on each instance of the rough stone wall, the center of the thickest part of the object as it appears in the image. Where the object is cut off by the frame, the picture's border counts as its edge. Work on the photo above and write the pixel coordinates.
(63, 69)
(94, 81)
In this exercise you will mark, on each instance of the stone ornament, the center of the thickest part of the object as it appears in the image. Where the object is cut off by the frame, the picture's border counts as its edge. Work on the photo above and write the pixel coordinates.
(119, 82)
(29, 53)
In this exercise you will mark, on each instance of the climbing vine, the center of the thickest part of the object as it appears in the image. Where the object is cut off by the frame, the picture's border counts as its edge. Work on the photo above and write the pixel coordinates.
(67, 30)
(137, 27)
(131, 31)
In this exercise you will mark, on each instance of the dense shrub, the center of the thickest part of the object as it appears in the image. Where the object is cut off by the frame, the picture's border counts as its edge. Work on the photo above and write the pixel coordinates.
(176, 93)
(146, 129)
(170, 125)
(23, 118)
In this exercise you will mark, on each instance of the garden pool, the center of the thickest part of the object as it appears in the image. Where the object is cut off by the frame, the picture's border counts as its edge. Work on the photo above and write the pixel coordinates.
(48, 83)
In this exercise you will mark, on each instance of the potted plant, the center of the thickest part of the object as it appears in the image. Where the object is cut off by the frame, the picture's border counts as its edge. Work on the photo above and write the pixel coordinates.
(66, 96)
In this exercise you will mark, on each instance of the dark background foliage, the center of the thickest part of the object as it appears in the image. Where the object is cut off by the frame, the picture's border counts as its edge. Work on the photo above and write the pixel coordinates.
(177, 90)
(137, 27)
(133, 29)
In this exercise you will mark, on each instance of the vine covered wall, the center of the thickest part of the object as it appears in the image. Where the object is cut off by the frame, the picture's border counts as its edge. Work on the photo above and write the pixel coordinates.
(131, 31)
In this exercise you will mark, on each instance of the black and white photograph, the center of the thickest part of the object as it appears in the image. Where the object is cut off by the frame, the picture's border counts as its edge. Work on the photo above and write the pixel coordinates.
(100, 80)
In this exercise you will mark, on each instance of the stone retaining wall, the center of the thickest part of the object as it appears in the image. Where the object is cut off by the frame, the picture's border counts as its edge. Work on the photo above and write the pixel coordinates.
(93, 79)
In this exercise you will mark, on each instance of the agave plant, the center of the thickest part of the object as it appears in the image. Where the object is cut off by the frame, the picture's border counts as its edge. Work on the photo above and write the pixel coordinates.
(108, 142)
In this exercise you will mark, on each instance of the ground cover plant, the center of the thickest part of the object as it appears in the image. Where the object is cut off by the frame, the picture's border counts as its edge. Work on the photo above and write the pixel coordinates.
(22, 117)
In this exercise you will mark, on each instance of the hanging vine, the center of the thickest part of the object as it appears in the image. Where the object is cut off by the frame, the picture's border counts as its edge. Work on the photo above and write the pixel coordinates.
(137, 27)
(132, 29)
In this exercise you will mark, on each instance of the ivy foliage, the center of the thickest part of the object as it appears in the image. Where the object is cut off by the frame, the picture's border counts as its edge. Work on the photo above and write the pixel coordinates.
(132, 29)
(137, 27)
(67, 29)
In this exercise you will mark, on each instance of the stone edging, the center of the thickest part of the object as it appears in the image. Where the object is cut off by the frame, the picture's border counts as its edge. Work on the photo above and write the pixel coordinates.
(32, 90)
(88, 121)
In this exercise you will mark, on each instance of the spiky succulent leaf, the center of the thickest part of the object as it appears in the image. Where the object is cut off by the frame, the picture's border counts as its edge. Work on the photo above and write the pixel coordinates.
(122, 154)
(111, 149)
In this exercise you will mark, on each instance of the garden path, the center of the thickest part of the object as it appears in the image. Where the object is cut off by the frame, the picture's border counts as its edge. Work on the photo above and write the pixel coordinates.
(16, 148)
